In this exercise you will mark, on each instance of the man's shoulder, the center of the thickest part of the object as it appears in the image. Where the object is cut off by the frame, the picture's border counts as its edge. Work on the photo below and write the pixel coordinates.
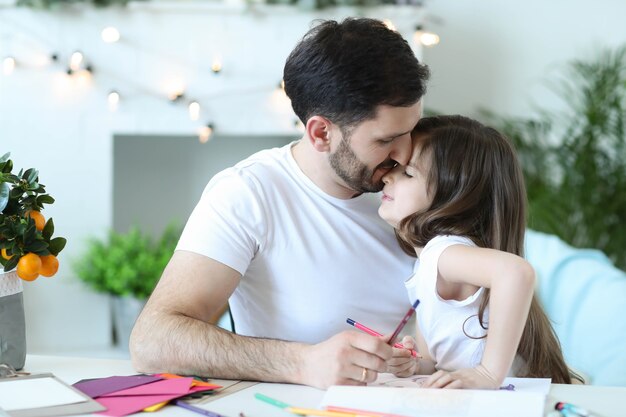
(263, 169)
(265, 159)
(273, 163)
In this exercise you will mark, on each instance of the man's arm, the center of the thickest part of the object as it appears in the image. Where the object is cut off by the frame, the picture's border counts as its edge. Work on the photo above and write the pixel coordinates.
(172, 334)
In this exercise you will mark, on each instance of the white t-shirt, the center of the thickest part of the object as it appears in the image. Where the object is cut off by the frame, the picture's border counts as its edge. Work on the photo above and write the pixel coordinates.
(308, 260)
(447, 325)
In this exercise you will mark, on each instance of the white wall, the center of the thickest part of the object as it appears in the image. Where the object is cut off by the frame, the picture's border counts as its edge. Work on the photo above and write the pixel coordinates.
(62, 126)
(499, 54)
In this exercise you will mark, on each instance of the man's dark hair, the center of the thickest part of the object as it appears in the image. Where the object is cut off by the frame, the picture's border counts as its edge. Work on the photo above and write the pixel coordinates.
(344, 71)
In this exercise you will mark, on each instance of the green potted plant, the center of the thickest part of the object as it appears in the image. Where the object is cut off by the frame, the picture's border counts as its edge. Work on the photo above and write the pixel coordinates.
(574, 160)
(126, 266)
(27, 250)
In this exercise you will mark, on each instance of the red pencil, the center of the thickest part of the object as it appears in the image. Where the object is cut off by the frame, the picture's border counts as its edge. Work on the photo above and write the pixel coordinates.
(375, 333)
(404, 321)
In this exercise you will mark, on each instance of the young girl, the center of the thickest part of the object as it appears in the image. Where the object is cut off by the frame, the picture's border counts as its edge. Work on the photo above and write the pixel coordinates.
(459, 206)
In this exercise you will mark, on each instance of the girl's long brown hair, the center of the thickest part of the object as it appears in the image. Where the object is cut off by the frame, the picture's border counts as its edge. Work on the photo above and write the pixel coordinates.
(478, 191)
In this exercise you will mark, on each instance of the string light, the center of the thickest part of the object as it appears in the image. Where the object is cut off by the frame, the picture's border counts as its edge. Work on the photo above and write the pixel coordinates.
(205, 133)
(424, 37)
(216, 66)
(176, 96)
(76, 60)
(110, 34)
(8, 65)
(194, 110)
(113, 99)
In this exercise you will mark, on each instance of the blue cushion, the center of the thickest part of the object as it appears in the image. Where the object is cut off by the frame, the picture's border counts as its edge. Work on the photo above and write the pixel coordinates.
(585, 297)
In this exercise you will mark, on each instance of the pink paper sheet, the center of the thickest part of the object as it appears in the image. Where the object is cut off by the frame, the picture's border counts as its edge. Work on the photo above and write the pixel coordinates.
(132, 400)
(179, 386)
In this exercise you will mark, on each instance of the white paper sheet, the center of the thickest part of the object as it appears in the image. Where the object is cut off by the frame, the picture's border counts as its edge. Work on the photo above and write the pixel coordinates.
(404, 397)
(422, 402)
(19, 394)
(539, 385)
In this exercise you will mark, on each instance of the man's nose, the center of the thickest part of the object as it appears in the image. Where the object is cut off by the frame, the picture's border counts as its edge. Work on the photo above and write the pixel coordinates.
(401, 152)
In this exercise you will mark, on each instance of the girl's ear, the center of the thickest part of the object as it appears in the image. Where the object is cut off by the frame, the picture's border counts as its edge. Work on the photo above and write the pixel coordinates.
(318, 131)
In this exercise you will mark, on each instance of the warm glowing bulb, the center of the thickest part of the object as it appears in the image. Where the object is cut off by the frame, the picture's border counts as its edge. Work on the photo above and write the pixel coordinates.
(389, 24)
(110, 34)
(282, 85)
(175, 96)
(114, 99)
(194, 110)
(216, 66)
(76, 60)
(8, 65)
(426, 38)
(205, 133)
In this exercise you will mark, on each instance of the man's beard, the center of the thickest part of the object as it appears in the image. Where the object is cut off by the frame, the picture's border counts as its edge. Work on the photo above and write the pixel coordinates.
(355, 173)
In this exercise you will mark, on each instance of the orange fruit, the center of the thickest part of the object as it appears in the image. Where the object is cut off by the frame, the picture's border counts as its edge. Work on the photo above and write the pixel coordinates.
(5, 255)
(40, 220)
(49, 265)
(28, 267)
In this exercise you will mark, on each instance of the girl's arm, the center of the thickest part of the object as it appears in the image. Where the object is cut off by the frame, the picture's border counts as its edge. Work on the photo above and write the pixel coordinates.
(511, 279)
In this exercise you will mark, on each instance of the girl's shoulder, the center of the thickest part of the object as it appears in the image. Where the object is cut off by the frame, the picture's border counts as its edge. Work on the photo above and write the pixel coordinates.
(443, 241)
(438, 244)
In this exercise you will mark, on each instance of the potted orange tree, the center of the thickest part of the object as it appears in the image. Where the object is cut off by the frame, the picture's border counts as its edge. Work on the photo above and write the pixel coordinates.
(27, 251)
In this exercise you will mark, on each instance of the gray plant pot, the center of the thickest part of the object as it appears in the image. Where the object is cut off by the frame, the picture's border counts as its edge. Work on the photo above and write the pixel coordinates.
(12, 322)
(125, 312)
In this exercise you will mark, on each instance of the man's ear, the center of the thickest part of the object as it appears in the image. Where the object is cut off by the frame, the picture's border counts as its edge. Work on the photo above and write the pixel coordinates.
(318, 131)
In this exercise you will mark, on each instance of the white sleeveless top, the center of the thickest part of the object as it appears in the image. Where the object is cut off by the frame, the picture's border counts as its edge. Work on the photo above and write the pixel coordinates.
(447, 325)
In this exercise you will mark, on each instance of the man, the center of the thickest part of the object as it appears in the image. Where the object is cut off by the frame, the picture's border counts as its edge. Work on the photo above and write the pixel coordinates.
(290, 237)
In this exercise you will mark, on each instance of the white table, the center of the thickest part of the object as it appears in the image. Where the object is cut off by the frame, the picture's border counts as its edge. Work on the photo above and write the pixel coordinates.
(603, 401)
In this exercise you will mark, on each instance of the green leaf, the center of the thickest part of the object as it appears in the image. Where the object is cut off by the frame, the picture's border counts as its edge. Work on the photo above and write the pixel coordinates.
(8, 166)
(56, 245)
(44, 199)
(30, 232)
(11, 263)
(30, 175)
(36, 247)
(4, 195)
(5, 157)
(16, 193)
(48, 229)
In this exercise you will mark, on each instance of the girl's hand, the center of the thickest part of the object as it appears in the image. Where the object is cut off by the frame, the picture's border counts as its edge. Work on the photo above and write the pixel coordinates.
(402, 364)
(476, 378)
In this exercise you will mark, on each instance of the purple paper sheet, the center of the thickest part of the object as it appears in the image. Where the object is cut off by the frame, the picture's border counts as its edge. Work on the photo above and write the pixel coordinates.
(97, 387)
